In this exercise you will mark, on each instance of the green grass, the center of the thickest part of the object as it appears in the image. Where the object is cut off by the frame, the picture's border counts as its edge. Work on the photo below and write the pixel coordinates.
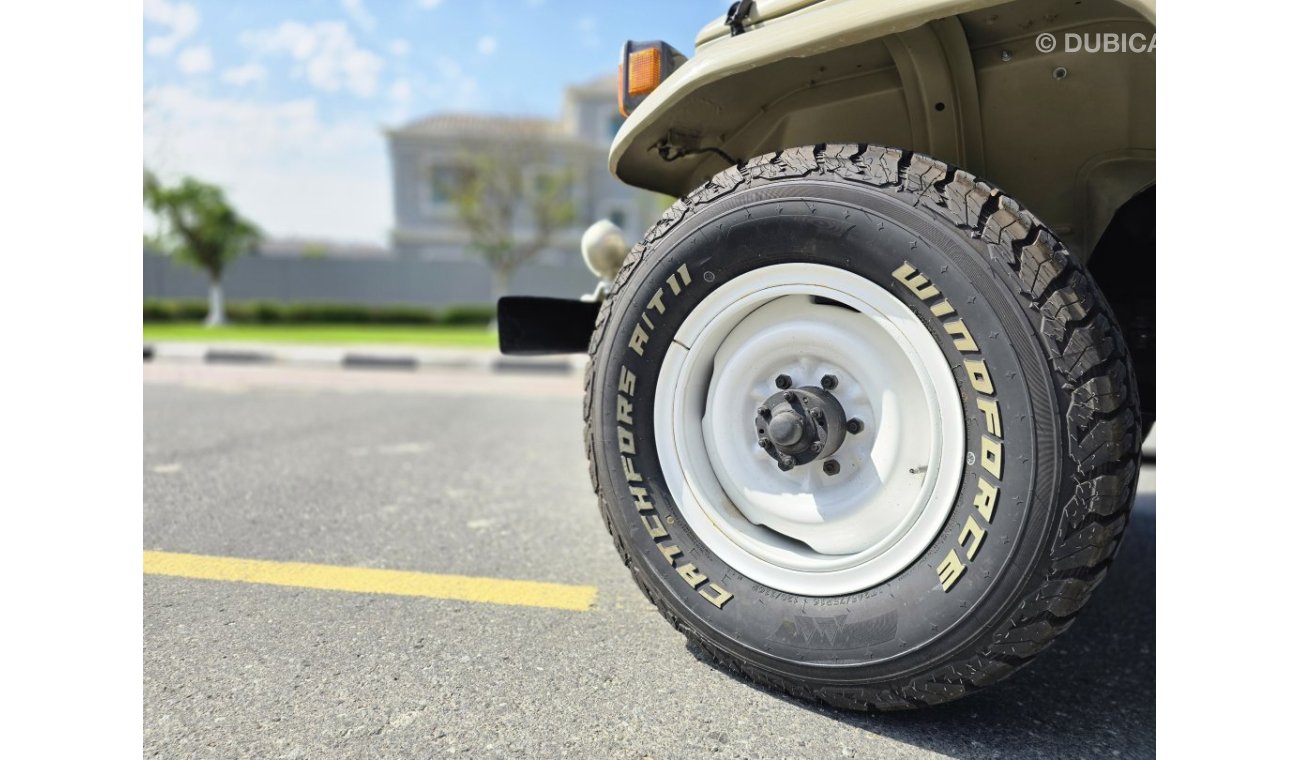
(454, 337)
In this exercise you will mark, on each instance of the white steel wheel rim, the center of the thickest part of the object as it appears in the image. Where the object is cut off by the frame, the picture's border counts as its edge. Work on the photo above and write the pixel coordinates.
(805, 531)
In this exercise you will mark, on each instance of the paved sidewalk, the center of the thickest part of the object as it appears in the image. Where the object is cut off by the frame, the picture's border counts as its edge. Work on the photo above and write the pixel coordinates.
(357, 356)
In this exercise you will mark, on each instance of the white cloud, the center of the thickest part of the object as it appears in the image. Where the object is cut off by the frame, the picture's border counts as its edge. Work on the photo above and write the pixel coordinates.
(487, 44)
(445, 86)
(195, 60)
(400, 94)
(399, 48)
(356, 10)
(246, 74)
(284, 166)
(328, 55)
(181, 20)
(454, 88)
(400, 91)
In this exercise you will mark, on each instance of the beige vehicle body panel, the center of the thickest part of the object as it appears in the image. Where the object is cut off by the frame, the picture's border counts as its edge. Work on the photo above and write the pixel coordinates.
(1069, 134)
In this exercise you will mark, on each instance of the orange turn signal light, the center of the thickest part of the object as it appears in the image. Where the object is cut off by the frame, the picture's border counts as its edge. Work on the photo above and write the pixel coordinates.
(643, 71)
(644, 66)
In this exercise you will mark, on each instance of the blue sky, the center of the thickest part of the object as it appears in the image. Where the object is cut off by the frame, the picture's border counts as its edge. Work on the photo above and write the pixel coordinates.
(283, 103)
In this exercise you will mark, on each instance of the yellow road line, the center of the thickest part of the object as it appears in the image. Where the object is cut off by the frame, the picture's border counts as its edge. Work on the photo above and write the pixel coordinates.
(368, 580)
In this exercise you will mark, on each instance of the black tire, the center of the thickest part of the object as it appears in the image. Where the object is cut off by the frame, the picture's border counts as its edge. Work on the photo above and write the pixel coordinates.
(1067, 394)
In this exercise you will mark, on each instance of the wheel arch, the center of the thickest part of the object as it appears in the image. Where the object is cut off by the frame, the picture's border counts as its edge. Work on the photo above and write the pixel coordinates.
(1072, 135)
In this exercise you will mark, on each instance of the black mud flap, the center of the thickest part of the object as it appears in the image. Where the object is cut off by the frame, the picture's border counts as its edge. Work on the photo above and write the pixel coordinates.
(529, 325)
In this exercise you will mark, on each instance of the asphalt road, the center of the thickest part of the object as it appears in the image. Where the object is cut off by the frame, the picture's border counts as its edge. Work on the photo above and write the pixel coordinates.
(484, 475)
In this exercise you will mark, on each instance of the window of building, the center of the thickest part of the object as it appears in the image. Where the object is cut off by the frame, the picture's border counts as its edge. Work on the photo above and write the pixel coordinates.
(445, 180)
(547, 181)
(616, 211)
(615, 123)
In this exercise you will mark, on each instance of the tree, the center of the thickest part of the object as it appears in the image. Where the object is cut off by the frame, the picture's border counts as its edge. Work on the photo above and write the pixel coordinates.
(197, 225)
(502, 192)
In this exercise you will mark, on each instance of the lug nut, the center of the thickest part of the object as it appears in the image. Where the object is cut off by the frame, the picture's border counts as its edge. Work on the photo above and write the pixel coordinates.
(786, 463)
(783, 382)
(829, 382)
(854, 426)
(764, 442)
(816, 447)
(831, 467)
(818, 415)
(763, 411)
(788, 395)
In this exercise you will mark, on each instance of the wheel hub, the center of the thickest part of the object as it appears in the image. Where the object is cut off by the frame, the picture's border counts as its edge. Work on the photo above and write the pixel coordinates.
(799, 425)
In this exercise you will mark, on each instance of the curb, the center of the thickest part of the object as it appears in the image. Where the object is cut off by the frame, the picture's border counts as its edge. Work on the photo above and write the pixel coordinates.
(363, 358)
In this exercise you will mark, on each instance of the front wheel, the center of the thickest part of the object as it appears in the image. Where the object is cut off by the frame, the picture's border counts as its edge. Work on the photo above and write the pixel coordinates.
(860, 426)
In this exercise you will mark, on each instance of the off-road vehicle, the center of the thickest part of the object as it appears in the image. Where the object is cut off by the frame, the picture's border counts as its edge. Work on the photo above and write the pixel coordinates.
(863, 406)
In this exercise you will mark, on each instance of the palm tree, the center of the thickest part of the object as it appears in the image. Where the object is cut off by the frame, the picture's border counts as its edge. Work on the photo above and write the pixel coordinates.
(198, 226)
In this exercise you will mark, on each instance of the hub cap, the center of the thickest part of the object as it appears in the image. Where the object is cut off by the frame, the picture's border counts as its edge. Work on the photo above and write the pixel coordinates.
(810, 429)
